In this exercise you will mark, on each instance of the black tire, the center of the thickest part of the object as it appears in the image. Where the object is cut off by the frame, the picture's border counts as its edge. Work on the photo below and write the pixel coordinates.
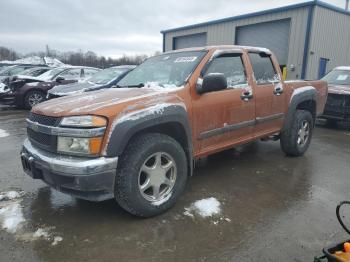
(289, 138)
(127, 192)
(30, 94)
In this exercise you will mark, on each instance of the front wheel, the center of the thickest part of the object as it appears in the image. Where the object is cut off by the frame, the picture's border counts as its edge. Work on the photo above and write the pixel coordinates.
(33, 98)
(296, 140)
(151, 175)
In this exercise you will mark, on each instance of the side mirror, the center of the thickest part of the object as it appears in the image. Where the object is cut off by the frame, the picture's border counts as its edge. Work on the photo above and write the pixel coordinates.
(59, 79)
(212, 82)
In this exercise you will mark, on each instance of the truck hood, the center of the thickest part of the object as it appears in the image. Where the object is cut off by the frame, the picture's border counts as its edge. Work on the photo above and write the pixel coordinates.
(108, 102)
(339, 89)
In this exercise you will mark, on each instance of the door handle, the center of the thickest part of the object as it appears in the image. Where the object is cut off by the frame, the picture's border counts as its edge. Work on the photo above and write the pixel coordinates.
(247, 95)
(278, 90)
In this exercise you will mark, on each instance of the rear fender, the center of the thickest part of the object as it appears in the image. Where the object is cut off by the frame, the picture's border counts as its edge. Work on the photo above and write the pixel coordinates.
(299, 95)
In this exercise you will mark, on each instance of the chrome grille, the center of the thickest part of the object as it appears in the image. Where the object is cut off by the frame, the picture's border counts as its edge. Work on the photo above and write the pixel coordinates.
(44, 120)
(42, 140)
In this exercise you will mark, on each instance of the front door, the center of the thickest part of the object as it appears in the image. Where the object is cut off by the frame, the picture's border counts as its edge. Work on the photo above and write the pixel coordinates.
(268, 92)
(223, 118)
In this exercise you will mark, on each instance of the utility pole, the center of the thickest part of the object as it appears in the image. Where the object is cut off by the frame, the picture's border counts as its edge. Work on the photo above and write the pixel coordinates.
(347, 5)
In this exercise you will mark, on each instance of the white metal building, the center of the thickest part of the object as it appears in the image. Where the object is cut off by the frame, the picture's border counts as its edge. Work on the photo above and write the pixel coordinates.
(309, 38)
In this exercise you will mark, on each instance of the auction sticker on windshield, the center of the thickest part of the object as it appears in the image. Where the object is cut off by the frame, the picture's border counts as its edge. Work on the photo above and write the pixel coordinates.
(185, 59)
(342, 77)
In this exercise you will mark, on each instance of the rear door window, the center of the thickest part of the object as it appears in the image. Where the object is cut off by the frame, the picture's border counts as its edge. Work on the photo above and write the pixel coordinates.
(263, 68)
(231, 66)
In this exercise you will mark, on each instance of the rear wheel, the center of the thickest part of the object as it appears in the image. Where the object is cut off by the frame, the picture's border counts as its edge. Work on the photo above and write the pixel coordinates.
(33, 98)
(296, 140)
(151, 176)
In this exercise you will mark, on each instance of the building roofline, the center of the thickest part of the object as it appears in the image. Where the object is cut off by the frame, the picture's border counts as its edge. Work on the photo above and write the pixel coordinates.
(259, 13)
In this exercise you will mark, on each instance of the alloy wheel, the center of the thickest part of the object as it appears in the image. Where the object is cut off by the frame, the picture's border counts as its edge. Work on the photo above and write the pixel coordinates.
(157, 177)
(35, 98)
(303, 133)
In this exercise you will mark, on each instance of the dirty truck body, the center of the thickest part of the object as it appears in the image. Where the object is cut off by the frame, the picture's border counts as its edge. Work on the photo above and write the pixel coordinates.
(138, 143)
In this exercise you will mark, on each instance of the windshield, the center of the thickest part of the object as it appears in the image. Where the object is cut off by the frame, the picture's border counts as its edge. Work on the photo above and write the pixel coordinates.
(12, 70)
(168, 70)
(50, 74)
(338, 77)
(34, 71)
(28, 71)
(3, 69)
(107, 75)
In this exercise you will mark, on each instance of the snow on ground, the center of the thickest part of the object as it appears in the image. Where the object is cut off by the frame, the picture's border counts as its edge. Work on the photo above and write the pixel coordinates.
(3, 133)
(205, 208)
(56, 240)
(10, 195)
(12, 220)
(41, 233)
(11, 215)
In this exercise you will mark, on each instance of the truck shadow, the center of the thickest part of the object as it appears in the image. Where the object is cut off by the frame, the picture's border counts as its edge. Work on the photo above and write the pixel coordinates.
(343, 126)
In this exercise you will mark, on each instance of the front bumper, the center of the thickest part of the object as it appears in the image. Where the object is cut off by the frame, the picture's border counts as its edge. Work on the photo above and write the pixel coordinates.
(337, 107)
(7, 98)
(87, 178)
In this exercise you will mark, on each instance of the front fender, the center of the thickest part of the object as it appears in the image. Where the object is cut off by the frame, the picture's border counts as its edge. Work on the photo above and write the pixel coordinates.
(127, 125)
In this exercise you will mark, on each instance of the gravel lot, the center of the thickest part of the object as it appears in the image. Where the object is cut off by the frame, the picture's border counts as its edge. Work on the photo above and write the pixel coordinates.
(269, 208)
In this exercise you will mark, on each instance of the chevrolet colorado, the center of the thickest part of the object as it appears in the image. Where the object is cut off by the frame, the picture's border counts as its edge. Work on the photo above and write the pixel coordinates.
(138, 143)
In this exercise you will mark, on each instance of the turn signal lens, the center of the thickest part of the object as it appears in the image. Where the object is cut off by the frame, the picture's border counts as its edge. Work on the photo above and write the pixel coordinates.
(99, 121)
(95, 145)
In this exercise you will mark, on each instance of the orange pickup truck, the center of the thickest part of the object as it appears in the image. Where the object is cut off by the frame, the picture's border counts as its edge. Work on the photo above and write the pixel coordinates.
(138, 142)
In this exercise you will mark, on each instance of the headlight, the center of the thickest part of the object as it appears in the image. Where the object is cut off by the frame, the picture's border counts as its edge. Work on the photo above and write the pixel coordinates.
(81, 135)
(77, 145)
(83, 121)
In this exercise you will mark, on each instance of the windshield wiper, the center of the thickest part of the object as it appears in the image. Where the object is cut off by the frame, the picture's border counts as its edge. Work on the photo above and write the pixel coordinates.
(130, 86)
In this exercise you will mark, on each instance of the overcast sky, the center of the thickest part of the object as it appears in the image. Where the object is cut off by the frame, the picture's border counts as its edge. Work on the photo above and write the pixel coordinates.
(111, 27)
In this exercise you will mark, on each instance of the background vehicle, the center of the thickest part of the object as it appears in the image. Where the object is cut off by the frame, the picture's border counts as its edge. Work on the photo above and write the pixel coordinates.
(35, 71)
(13, 70)
(338, 101)
(101, 80)
(29, 91)
(138, 143)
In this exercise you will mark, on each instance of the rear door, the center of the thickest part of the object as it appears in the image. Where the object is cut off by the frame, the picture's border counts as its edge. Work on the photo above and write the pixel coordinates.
(223, 118)
(268, 92)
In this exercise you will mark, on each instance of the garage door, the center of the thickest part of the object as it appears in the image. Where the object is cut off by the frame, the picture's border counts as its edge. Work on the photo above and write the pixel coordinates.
(194, 40)
(272, 35)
